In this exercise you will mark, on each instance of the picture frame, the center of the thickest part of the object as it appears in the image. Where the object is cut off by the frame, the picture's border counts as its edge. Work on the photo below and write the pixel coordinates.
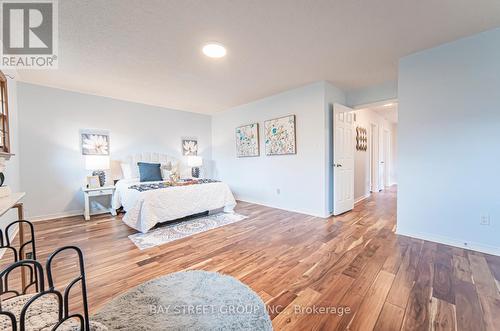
(281, 136)
(361, 139)
(93, 182)
(247, 140)
(189, 146)
(94, 142)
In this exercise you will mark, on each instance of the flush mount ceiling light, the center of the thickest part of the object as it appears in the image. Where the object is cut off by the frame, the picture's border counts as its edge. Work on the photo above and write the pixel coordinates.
(214, 50)
(388, 104)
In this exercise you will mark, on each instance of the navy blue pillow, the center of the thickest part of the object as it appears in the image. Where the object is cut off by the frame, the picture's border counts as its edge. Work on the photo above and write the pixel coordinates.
(149, 172)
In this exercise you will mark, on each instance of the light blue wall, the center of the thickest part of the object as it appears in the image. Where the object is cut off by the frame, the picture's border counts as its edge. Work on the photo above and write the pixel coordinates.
(376, 93)
(300, 178)
(50, 120)
(449, 143)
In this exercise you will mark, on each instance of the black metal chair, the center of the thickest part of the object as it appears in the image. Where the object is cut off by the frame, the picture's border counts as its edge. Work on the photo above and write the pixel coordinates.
(20, 253)
(36, 278)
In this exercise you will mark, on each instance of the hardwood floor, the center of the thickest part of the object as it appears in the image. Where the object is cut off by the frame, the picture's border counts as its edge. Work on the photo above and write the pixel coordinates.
(353, 262)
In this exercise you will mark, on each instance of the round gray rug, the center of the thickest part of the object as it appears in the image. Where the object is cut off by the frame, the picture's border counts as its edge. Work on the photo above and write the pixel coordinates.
(190, 300)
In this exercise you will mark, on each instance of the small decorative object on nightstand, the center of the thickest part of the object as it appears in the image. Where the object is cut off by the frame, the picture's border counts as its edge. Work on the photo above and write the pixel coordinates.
(98, 163)
(97, 192)
(4, 190)
(195, 162)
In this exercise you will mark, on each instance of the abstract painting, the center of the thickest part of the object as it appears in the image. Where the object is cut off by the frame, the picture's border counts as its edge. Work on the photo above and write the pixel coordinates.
(247, 140)
(189, 147)
(361, 139)
(94, 142)
(280, 136)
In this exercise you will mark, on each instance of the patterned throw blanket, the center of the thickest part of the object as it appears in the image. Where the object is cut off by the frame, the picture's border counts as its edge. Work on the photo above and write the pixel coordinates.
(156, 186)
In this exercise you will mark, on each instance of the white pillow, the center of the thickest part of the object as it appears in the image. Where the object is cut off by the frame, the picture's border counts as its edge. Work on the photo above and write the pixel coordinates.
(165, 174)
(168, 169)
(126, 170)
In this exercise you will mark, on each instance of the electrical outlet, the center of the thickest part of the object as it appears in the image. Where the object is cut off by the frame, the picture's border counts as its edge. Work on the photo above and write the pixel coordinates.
(485, 220)
(278, 191)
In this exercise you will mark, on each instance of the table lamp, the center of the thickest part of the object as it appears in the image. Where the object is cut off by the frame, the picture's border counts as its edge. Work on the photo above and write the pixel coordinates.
(195, 162)
(98, 163)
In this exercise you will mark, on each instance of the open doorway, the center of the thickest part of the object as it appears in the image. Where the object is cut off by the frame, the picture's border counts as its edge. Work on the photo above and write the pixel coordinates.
(363, 158)
(376, 165)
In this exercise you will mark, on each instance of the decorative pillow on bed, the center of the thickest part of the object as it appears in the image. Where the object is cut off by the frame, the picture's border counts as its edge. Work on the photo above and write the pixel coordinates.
(149, 172)
(126, 170)
(166, 170)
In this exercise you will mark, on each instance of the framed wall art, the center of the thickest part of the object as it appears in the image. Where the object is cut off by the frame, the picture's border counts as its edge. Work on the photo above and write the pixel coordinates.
(189, 147)
(361, 139)
(247, 140)
(93, 182)
(94, 142)
(280, 135)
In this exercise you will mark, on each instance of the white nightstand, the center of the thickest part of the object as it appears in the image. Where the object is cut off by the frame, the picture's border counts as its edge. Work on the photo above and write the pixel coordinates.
(97, 192)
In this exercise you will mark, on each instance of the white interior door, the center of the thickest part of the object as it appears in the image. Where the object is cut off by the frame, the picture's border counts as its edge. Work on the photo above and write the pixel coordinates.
(343, 159)
(374, 158)
(382, 169)
(387, 157)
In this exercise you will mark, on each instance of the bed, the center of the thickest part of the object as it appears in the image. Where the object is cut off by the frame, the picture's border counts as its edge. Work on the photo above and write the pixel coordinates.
(146, 208)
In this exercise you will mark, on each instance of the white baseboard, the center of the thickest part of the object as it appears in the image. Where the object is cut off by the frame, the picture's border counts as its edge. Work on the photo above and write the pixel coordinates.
(46, 217)
(71, 213)
(362, 198)
(281, 208)
(453, 242)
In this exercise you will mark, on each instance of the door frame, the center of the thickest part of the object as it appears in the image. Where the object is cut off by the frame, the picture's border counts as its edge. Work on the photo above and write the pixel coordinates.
(374, 157)
(387, 156)
(377, 185)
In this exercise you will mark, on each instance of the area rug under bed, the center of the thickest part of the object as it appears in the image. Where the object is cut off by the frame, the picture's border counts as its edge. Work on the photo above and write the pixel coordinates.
(178, 230)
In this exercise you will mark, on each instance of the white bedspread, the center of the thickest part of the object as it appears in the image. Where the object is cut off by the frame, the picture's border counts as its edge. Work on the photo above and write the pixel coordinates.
(145, 209)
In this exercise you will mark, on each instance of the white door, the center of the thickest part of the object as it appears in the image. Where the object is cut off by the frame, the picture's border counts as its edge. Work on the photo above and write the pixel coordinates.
(374, 158)
(387, 156)
(382, 169)
(343, 159)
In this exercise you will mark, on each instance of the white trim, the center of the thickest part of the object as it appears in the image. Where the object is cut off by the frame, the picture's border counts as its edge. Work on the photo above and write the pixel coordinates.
(55, 215)
(281, 208)
(71, 213)
(453, 242)
(375, 104)
(362, 198)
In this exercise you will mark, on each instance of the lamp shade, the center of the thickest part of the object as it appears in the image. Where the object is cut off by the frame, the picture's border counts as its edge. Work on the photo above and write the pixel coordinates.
(96, 162)
(194, 161)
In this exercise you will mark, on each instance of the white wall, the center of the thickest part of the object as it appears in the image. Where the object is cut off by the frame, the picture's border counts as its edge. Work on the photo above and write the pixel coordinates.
(302, 178)
(52, 166)
(449, 134)
(364, 119)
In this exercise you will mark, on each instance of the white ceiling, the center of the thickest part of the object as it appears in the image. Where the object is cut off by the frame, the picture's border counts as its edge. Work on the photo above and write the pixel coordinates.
(150, 51)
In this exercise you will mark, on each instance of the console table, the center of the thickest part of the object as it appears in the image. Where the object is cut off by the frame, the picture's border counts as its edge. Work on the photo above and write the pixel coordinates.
(7, 203)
